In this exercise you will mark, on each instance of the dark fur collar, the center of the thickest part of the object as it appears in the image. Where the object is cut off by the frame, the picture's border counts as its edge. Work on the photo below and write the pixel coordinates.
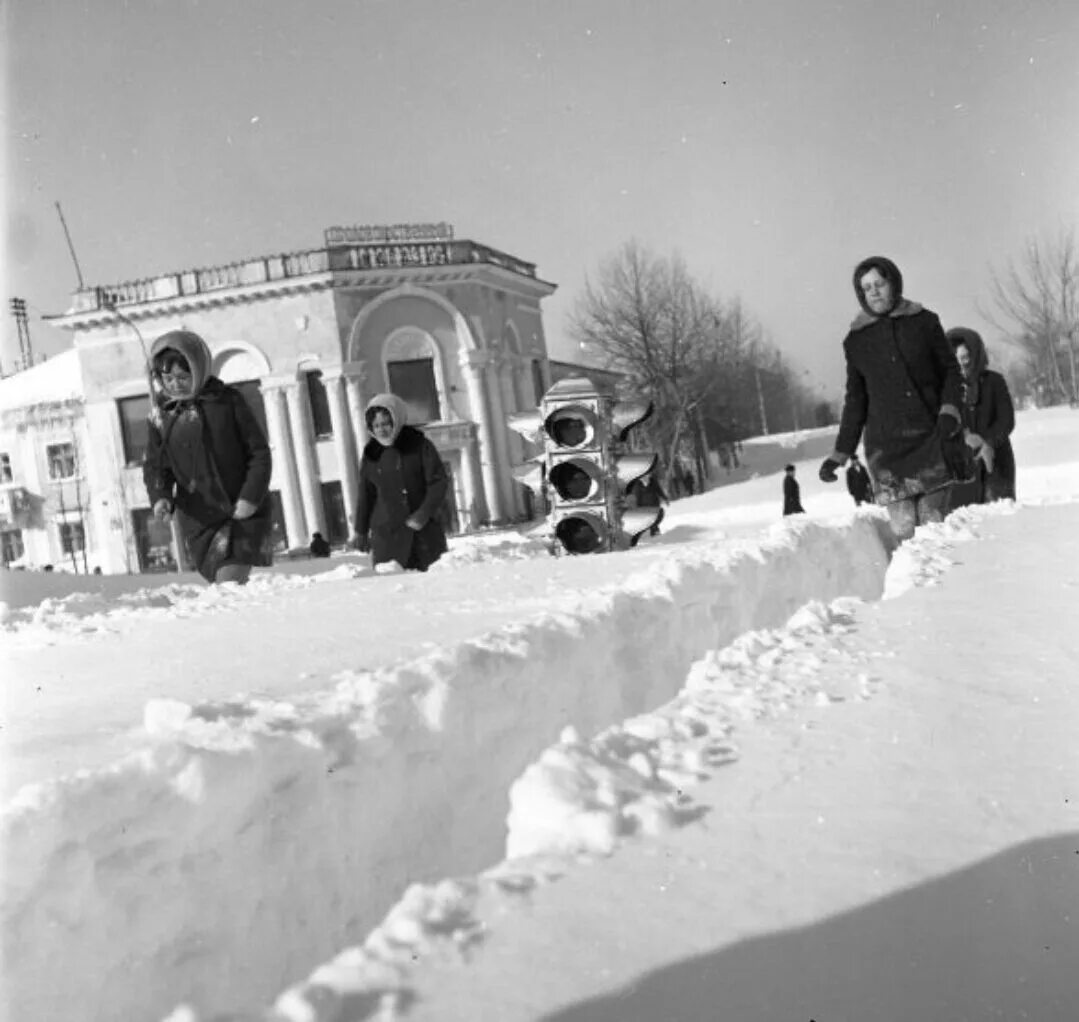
(409, 439)
(902, 308)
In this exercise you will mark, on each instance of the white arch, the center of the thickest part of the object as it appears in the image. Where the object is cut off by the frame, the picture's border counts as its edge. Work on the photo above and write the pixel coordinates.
(410, 342)
(221, 353)
(465, 337)
(509, 331)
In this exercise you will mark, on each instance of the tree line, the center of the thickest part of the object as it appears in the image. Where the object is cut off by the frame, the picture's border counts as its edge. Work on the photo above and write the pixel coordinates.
(707, 363)
(1035, 303)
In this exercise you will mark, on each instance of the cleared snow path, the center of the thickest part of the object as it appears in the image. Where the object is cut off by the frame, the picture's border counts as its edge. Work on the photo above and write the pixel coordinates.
(899, 841)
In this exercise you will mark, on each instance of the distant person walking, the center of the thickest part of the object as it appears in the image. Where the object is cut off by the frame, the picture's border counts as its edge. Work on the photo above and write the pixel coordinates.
(649, 493)
(903, 393)
(858, 485)
(402, 486)
(319, 547)
(207, 459)
(792, 493)
(988, 419)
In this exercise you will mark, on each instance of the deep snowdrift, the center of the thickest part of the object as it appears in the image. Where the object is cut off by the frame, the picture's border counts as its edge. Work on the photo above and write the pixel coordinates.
(250, 839)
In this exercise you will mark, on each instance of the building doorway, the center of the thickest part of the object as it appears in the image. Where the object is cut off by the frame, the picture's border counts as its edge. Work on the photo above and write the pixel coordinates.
(333, 508)
(153, 542)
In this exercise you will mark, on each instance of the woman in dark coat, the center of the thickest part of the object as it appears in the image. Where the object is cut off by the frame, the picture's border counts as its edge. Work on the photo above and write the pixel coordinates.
(207, 459)
(903, 391)
(402, 486)
(988, 417)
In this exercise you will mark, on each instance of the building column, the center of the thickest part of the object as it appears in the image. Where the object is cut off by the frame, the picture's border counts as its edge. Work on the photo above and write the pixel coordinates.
(304, 444)
(284, 463)
(355, 375)
(344, 441)
(514, 443)
(469, 495)
(500, 435)
(472, 363)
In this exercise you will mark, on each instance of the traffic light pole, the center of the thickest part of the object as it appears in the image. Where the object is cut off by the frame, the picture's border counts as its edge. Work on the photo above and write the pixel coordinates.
(586, 469)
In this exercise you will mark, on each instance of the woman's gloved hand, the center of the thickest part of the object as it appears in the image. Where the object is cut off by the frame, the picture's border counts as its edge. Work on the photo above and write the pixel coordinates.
(243, 509)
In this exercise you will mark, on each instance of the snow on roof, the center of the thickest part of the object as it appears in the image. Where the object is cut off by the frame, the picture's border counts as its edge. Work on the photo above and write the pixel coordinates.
(56, 379)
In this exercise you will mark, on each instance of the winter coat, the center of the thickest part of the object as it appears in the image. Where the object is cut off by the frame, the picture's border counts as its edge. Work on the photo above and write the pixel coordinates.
(988, 412)
(858, 485)
(404, 479)
(204, 454)
(792, 496)
(901, 376)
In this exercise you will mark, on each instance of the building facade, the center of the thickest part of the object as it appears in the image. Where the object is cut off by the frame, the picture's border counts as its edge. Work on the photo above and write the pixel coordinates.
(452, 327)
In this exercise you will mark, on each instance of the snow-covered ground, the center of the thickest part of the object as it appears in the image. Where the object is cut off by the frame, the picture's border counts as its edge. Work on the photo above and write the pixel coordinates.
(213, 791)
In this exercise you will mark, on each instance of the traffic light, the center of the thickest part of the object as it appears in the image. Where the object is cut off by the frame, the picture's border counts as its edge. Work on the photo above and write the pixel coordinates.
(585, 468)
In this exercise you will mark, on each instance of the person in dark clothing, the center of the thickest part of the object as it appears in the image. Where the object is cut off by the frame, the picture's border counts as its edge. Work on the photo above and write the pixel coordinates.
(858, 485)
(792, 493)
(988, 420)
(649, 493)
(207, 459)
(402, 485)
(319, 547)
(903, 392)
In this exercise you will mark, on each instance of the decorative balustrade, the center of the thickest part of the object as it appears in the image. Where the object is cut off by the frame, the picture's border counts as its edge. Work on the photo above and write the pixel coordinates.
(293, 266)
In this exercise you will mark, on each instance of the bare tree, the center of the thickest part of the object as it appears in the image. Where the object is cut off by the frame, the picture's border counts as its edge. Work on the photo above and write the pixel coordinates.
(654, 323)
(1037, 305)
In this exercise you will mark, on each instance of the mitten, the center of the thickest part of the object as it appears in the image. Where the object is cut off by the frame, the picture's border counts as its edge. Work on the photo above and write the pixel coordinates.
(947, 425)
(828, 470)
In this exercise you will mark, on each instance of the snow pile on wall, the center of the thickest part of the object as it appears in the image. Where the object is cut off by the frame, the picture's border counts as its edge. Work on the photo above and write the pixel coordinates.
(298, 824)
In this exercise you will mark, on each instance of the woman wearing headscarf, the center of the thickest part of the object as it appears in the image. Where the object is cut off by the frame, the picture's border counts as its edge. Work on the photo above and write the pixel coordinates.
(903, 392)
(207, 459)
(402, 486)
(988, 417)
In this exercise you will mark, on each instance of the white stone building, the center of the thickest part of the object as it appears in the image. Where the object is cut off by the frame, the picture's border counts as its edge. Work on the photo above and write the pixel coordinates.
(44, 487)
(453, 327)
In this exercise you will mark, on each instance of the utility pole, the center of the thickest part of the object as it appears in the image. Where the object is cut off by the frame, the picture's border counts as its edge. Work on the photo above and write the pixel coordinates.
(22, 327)
(70, 247)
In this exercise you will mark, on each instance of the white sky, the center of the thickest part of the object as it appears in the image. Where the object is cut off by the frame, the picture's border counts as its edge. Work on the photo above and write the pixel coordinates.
(773, 145)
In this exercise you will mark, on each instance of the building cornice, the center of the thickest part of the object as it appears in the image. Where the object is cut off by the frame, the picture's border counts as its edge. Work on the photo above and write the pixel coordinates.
(174, 305)
(364, 266)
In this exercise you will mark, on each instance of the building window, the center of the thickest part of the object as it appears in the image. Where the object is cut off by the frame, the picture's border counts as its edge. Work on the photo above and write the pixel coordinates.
(61, 459)
(11, 548)
(320, 405)
(5, 468)
(134, 427)
(413, 381)
(72, 537)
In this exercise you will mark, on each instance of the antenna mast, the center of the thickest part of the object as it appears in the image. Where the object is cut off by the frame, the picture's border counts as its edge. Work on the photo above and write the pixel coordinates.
(71, 247)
